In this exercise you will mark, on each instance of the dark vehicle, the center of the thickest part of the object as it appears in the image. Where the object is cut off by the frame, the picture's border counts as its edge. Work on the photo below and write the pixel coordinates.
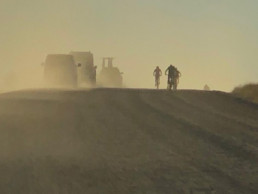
(110, 76)
(60, 71)
(87, 70)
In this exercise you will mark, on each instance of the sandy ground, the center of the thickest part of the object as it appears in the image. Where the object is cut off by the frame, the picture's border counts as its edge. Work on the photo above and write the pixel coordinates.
(127, 141)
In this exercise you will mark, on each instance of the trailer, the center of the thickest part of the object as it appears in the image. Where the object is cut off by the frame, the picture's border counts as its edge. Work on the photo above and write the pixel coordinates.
(87, 71)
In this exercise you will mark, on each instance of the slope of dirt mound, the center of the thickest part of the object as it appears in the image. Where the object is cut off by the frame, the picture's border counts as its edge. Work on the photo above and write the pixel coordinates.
(127, 141)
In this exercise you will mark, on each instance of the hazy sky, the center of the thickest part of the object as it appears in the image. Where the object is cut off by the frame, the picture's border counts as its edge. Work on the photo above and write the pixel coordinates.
(210, 41)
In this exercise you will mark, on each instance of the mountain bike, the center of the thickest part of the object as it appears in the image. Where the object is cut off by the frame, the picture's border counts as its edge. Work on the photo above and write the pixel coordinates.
(157, 82)
(172, 83)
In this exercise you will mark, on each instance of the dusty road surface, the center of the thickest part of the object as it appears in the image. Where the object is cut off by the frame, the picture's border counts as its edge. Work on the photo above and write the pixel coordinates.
(127, 141)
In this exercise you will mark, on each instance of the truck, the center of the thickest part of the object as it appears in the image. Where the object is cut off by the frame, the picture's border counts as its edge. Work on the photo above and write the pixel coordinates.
(60, 70)
(77, 69)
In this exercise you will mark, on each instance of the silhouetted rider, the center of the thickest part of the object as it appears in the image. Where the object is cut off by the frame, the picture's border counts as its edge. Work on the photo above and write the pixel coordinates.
(173, 76)
(157, 73)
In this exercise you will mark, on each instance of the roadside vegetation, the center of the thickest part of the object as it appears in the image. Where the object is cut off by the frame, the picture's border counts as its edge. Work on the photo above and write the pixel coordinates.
(248, 92)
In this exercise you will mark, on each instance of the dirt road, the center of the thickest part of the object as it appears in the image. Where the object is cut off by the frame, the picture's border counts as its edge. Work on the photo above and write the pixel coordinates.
(127, 141)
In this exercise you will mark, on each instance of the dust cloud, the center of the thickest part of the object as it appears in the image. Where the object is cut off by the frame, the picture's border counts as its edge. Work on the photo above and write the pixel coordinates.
(211, 50)
(136, 139)
(22, 77)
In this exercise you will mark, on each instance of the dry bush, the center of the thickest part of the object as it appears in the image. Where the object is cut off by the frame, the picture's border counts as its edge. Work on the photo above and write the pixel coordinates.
(248, 92)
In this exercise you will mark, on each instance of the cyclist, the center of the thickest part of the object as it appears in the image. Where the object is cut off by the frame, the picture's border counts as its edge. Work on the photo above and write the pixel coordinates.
(157, 73)
(173, 77)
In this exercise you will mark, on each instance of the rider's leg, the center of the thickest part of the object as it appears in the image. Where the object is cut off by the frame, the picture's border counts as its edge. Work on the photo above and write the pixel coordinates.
(156, 81)
(173, 84)
(169, 82)
(176, 83)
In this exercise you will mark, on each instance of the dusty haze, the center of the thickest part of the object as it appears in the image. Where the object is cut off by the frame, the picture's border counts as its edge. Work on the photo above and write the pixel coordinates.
(127, 140)
(211, 42)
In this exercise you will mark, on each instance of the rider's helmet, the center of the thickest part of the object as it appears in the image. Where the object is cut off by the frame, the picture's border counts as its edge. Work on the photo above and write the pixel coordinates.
(157, 67)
